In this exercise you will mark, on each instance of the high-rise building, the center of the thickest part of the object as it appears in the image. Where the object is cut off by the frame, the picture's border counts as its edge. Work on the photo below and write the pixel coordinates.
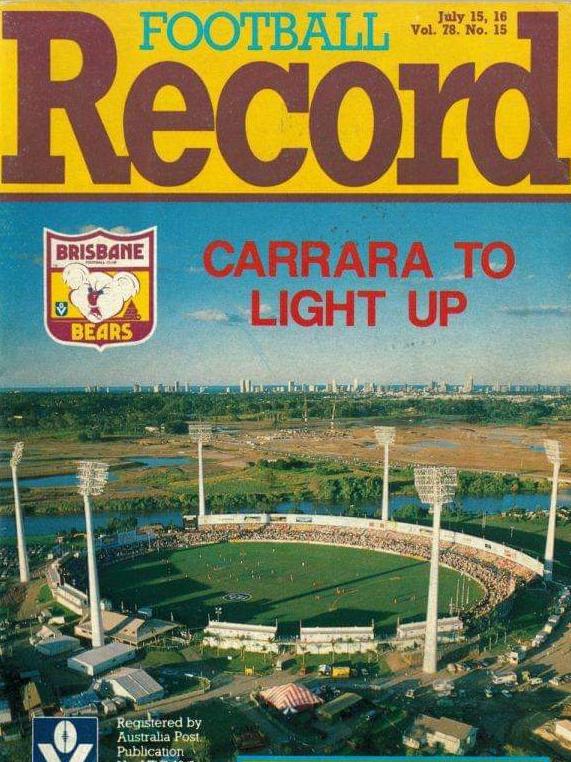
(291, 386)
(468, 387)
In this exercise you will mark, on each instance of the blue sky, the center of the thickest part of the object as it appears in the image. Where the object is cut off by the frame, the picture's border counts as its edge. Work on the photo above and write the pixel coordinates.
(516, 330)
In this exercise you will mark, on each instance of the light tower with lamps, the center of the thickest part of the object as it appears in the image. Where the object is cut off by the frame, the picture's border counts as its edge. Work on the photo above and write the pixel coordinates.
(92, 480)
(385, 436)
(17, 453)
(553, 453)
(200, 433)
(436, 486)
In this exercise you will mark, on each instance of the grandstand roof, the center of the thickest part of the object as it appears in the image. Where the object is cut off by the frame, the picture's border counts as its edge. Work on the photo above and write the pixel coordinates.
(290, 698)
(126, 628)
(270, 629)
(368, 630)
(444, 623)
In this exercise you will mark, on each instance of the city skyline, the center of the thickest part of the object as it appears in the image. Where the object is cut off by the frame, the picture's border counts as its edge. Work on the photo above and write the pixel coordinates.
(513, 332)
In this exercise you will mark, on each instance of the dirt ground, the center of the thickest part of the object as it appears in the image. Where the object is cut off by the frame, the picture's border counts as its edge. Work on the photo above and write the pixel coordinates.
(508, 449)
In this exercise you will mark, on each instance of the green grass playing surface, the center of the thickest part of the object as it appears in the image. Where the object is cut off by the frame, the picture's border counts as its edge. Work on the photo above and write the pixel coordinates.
(320, 585)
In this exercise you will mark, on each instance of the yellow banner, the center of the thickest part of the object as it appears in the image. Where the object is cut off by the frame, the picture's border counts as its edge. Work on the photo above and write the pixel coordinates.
(322, 99)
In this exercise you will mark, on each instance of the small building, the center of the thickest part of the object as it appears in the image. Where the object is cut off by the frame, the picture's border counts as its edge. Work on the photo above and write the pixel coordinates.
(38, 699)
(136, 685)
(109, 708)
(339, 707)
(57, 645)
(97, 661)
(290, 698)
(563, 730)
(84, 703)
(5, 712)
(451, 736)
(517, 655)
(47, 631)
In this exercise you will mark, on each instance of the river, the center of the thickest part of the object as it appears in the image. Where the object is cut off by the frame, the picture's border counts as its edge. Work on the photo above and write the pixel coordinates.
(42, 525)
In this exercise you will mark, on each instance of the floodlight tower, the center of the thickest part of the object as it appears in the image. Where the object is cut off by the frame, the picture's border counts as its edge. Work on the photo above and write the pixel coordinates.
(553, 453)
(21, 540)
(436, 486)
(200, 433)
(92, 480)
(385, 436)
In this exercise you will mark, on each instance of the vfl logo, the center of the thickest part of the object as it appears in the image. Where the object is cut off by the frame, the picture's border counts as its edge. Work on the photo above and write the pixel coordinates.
(100, 287)
(71, 740)
(236, 597)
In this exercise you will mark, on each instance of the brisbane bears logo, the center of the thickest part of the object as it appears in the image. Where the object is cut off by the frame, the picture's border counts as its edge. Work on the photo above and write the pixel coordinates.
(100, 287)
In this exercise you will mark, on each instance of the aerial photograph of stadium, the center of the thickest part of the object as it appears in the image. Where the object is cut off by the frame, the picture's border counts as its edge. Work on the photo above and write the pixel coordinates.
(340, 543)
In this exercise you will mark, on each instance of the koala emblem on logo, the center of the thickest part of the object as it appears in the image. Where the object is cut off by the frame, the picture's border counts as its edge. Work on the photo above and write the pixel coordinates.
(96, 294)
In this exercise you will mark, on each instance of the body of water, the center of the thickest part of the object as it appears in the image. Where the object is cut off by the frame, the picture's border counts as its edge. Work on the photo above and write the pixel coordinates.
(473, 505)
(51, 525)
(70, 480)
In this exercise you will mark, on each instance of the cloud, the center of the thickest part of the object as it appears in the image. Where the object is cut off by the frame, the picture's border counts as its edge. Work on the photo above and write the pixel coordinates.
(547, 310)
(264, 309)
(215, 316)
(119, 229)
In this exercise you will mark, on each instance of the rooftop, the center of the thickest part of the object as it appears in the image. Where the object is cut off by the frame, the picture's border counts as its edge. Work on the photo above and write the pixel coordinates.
(136, 682)
(425, 724)
(133, 630)
(340, 704)
(95, 656)
(35, 694)
(245, 627)
(369, 630)
(79, 700)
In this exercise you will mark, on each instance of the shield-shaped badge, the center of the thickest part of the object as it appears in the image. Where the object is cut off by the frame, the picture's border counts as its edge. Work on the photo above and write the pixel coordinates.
(100, 287)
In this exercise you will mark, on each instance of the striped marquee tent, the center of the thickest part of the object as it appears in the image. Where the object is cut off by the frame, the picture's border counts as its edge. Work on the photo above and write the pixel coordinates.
(290, 698)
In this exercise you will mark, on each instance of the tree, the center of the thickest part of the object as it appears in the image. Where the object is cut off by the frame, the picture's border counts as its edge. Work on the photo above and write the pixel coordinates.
(411, 512)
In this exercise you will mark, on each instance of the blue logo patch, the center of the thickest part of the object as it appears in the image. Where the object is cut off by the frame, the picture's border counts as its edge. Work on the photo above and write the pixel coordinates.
(64, 739)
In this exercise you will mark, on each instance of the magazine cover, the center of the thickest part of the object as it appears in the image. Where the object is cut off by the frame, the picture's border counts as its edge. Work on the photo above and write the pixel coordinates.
(285, 382)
